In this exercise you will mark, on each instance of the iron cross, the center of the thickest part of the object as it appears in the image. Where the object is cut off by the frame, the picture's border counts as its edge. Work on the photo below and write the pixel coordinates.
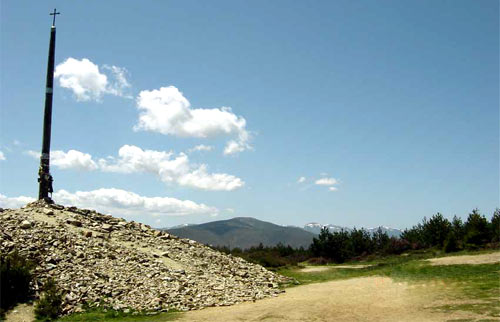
(54, 14)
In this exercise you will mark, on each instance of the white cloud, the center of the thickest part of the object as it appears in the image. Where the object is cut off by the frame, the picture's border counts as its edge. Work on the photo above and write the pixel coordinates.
(87, 82)
(199, 178)
(168, 112)
(201, 147)
(14, 202)
(301, 180)
(2, 156)
(331, 182)
(233, 147)
(72, 159)
(120, 202)
(169, 168)
(326, 181)
(121, 83)
(33, 154)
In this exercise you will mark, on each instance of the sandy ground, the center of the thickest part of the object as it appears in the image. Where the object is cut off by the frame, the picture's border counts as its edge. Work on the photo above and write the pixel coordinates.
(467, 259)
(357, 299)
(21, 313)
(314, 269)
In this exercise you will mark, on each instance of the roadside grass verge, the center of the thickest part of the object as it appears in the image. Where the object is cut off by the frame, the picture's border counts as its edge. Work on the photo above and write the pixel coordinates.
(473, 288)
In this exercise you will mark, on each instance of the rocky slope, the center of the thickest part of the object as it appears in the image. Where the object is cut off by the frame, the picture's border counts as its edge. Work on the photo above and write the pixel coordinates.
(101, 260)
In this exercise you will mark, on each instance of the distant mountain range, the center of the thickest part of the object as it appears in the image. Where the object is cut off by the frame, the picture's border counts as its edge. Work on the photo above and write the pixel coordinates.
(244, 232)
(315, 228)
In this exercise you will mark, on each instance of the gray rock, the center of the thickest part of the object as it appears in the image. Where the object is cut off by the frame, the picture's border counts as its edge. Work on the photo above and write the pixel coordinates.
(25, 224)
(74, 222)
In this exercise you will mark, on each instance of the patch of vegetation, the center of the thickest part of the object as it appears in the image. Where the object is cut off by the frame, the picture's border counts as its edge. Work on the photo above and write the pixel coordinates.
(488, 307)
(48, 307)
(270, 257)
(108, 315)
(15, 277)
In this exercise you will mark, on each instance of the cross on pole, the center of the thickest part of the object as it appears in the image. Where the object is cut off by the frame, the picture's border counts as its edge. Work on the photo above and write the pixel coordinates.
(54, 14)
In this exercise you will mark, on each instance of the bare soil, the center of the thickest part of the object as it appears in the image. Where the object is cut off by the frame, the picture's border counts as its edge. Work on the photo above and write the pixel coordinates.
(357, 299)
(21, 313)
(467, 259)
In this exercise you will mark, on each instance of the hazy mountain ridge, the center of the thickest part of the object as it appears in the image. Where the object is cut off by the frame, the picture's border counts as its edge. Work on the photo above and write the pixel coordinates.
(315, 228)
(244, 232)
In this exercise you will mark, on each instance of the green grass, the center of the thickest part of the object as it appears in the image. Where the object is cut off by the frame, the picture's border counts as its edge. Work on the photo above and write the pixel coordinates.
(102, 315)
(476, 288)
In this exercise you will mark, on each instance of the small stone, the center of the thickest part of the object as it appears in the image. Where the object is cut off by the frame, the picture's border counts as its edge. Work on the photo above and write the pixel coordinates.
(25, 224)
(74, 222)
(165, 236)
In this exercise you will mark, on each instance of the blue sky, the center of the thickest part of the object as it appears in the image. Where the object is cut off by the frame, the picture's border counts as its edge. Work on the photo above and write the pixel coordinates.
(389, 110)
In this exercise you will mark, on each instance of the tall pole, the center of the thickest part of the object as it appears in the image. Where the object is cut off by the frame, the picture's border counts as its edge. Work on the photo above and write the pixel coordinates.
(44, 176)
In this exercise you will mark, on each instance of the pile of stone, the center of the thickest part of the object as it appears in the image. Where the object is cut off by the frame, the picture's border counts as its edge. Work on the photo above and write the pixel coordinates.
(100, 260)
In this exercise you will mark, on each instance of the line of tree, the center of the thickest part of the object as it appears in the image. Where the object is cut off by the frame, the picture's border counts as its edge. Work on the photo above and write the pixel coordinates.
(435, 232)
(438, 231)
(269, 256)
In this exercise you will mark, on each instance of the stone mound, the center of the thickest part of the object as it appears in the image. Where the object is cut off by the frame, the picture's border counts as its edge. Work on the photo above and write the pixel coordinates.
(100, 260)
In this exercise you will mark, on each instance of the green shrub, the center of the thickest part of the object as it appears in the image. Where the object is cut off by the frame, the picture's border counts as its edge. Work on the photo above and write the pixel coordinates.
(15, 277)
(380, 240)
(495, 226)
(336, 246)
(436, 230)
(415, 236)
(396, 246)
(48, 306)
(451, 243)
(477, 230)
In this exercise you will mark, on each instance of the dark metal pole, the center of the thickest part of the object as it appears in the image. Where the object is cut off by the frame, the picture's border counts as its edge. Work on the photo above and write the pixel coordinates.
(44, 177)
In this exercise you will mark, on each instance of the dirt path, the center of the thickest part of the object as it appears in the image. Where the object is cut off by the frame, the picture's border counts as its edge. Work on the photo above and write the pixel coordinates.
(357, 299)
(467, 259)
(21, 313)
